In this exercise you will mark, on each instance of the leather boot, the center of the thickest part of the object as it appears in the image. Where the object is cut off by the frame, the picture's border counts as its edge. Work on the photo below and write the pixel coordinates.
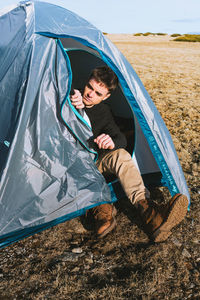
(157, 221)
(104, 216)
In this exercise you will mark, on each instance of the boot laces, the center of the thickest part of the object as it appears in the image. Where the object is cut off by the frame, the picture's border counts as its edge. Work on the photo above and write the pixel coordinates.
(104, 213)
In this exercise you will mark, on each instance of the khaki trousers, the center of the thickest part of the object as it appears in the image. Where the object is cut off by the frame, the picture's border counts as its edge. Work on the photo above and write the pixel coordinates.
(120, 163)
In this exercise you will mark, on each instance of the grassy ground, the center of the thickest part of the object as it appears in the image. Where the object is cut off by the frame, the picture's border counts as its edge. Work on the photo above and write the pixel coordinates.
(67, 262)
(188, 38)
(178, 37)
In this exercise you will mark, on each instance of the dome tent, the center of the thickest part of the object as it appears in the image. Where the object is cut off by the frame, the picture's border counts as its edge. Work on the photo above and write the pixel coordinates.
(47, 174)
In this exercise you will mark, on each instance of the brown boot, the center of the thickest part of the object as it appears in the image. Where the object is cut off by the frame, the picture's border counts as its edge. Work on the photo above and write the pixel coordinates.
(104, 216)
(159, 220)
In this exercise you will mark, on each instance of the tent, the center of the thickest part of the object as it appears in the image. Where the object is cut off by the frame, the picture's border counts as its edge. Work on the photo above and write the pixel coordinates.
(47, 173)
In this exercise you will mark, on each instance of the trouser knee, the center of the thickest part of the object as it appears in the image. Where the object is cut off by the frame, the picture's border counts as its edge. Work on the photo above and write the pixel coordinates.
(115, 160)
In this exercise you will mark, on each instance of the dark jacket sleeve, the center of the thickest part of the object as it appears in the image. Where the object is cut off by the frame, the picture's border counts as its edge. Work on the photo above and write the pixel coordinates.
(112, 129)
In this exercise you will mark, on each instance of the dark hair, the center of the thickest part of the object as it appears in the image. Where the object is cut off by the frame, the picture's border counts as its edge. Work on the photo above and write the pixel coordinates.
(105, 75)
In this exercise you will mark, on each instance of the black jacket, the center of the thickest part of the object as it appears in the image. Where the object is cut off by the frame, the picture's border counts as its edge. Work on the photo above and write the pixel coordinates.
(102, 121)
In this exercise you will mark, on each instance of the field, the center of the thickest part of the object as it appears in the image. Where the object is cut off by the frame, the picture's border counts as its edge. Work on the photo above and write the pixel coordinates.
(67, 262)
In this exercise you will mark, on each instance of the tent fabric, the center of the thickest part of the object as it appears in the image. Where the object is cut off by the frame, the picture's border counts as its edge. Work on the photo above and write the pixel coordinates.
(47, 174)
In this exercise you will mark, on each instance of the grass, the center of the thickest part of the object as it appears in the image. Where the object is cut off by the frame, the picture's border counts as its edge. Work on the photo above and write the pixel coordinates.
(149, 33)
(178, 37)
(188, 38)
(175, 34)
(161, 33)
(138, 34)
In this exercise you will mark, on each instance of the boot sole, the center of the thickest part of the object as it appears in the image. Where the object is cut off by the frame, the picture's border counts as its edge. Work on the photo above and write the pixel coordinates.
(112, 225)
(176, 215)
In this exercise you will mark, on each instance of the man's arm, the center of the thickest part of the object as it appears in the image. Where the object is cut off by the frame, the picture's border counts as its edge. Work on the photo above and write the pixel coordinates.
(110, 136)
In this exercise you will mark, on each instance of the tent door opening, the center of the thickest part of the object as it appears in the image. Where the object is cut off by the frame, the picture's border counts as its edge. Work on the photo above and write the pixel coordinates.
(83, 60)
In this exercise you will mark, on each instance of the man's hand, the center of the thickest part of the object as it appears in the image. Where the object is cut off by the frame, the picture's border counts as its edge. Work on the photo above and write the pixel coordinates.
(104, 141)
(77, 100)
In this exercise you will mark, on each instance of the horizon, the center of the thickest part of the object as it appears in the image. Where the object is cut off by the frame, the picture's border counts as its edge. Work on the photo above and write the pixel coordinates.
(152, 33)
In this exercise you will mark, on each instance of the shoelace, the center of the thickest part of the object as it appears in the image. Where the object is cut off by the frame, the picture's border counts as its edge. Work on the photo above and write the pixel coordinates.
(100, 213)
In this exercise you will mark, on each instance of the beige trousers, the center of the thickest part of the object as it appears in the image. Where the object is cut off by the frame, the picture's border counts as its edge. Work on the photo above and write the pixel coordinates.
(120, 163)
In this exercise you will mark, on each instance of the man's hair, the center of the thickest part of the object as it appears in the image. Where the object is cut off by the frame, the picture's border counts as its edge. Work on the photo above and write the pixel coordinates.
(105, 75)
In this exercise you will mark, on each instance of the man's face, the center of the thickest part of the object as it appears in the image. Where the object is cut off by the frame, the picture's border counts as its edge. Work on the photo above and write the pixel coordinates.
(94, 93)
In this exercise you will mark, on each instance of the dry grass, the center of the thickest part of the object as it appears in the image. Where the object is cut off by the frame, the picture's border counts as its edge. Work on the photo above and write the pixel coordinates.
(188, 38)
(124, 265)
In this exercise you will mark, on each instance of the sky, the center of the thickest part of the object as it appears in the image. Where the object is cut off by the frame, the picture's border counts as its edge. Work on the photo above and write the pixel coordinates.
(133, 16)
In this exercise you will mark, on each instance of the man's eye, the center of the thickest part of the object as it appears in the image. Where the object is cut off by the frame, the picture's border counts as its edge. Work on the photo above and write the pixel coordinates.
(89, 86)
(98, 94)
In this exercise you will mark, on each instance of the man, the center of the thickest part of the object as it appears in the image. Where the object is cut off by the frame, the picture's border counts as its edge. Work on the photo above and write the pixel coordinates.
(114, 159)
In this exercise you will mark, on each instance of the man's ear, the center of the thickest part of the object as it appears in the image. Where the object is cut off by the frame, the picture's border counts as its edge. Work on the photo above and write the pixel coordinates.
(107, 96)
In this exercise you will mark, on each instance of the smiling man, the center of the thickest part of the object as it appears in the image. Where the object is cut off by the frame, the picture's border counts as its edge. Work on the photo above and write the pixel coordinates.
(113, 158)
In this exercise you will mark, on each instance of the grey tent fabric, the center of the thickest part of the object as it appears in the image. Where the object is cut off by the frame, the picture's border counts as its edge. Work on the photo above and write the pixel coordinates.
(47, 173)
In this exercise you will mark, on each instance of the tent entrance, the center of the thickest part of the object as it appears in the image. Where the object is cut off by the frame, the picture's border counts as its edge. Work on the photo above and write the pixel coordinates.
(83, 60)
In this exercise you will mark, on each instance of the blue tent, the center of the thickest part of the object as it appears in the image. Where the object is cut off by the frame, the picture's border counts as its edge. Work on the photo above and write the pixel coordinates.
(47, 172)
